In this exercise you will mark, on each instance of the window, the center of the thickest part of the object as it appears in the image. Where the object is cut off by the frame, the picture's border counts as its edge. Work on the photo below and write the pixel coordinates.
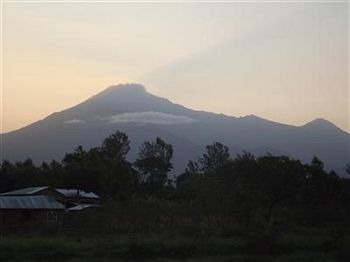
(52, 217)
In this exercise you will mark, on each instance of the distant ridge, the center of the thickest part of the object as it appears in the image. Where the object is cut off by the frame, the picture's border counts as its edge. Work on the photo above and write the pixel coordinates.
(320, 122)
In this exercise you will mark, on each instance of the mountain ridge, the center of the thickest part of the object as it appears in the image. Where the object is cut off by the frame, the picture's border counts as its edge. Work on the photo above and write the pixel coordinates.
(131, 108)
(136, 88)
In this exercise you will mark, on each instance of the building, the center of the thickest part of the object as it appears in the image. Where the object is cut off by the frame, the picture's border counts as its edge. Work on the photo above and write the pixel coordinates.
(28, 212)
(81, 207)
(68, 197)
(36, 191)
(76, 196)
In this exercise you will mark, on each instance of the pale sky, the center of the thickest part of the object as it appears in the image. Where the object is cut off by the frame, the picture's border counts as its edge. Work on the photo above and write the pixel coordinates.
(286, 62)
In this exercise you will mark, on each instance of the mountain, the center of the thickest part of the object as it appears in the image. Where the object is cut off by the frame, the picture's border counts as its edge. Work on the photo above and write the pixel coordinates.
(143, 116)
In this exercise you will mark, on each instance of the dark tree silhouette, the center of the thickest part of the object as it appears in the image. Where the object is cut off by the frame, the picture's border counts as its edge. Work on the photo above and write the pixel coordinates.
(116, 146)
(215, 157)
(154, 163)
(74, 165)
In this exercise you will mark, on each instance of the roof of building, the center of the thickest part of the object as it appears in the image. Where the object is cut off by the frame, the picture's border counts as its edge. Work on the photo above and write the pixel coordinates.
(25, 191)
(77, 193)
(29, 202)
(81, 207)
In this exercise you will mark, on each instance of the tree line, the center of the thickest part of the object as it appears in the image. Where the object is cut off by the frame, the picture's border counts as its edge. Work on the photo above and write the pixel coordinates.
(264, 191)
(102, 169)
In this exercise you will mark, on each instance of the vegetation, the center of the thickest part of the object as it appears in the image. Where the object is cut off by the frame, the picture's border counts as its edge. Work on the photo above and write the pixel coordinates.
(240, 208)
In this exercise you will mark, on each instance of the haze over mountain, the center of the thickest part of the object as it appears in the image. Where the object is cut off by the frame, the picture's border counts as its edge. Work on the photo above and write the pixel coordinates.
(143, 116)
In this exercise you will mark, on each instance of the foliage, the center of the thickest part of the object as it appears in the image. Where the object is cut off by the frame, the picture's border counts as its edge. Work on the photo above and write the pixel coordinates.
(154, 163)
(116, 146)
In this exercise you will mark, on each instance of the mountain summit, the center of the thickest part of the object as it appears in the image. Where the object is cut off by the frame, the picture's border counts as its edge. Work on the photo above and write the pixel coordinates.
(119, 92)
(129, 87)
(143, 116)
(114, 100)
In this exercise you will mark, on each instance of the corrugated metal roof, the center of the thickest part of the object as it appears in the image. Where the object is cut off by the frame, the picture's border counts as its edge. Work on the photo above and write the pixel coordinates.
(74, 193)
(25, 191)
(29, 202)
(81, 207)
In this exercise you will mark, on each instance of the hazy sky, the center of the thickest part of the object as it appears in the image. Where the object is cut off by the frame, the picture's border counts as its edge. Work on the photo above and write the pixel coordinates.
(287, 62)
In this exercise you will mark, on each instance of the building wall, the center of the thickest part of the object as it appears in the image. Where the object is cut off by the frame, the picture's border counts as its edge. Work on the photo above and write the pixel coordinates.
(22, 219)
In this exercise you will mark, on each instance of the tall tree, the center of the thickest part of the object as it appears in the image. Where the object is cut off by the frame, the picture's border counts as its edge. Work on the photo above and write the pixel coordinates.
(188, 183)
(118, 179)
(215, 157)
(154, 163)
(116, 146)
(74, 165)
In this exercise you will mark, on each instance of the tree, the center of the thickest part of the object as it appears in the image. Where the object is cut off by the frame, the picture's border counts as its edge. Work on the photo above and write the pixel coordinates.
(279, 180)
(215, 157)
(73, 164)
(154, 163)
(317, 164)
(192, 170)
(116, 146)
(187, 184)
(7, 179)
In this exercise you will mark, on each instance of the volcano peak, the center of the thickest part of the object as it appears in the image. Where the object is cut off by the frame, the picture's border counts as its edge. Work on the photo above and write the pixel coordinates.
(126, 88)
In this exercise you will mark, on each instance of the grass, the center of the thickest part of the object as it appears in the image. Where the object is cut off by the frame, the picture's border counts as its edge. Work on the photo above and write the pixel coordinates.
(303, 245)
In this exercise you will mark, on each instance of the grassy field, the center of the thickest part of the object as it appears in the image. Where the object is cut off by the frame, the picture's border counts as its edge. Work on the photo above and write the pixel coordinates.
(306, 245)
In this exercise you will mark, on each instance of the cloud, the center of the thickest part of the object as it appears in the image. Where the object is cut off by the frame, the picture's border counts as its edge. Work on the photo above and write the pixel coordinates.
(74, 121)
(150, 118)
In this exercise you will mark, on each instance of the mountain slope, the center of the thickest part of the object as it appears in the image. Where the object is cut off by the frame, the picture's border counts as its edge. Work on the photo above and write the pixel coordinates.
(143, 116)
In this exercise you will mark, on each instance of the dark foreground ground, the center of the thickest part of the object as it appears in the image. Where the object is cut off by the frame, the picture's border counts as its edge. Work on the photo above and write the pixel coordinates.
(301, 245)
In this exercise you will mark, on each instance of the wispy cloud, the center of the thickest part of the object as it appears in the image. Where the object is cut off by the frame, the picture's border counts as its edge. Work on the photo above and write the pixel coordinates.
(150, 118)
(75, 121)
